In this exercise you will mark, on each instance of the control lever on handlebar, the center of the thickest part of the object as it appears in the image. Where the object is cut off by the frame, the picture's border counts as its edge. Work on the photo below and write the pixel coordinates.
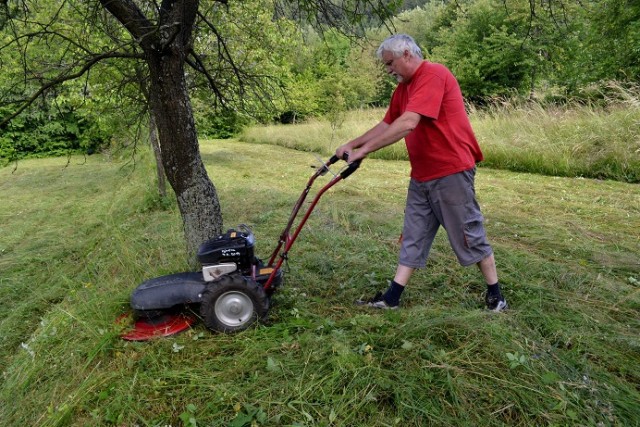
(351, 168)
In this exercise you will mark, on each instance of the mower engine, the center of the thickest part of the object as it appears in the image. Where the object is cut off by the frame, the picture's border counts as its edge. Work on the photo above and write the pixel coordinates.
(229, 252)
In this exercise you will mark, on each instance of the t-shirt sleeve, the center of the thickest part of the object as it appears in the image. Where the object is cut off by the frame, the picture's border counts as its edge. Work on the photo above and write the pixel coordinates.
(425, 96)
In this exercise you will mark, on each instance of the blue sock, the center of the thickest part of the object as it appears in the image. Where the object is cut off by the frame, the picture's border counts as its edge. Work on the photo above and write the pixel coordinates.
(392, 296)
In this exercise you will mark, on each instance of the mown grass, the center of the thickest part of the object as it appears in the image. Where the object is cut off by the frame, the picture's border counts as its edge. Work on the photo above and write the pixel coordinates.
(572, 141)
(77, 239)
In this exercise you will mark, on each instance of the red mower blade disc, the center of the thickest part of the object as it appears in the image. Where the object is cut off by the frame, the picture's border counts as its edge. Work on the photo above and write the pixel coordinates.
(162, 326)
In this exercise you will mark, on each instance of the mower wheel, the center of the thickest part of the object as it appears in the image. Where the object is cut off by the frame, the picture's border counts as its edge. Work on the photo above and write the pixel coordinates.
(233, 303)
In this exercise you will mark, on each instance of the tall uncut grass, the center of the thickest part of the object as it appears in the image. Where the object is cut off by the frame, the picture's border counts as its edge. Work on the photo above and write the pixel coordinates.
(321, 136)
(573, 141)
(591, 141)
(77, 238)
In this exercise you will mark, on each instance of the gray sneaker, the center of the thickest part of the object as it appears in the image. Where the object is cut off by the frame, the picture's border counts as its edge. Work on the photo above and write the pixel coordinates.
(496, 304)
(377, 302)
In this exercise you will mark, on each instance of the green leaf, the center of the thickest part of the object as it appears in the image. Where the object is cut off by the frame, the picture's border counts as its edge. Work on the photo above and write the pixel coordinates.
(272, 365)
(407, 345)
(188, 419)
(332, 416)
(241, 420)
(550, 378)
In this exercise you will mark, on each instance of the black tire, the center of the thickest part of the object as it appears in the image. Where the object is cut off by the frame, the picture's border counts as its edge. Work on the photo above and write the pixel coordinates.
(233, 303)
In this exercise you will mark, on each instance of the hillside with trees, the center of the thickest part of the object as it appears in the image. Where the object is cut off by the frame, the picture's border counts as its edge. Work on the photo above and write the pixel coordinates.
(263, 65)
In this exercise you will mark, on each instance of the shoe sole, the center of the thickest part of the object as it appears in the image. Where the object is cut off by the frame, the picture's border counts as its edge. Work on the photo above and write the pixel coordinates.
(370, 304)
(502, 305)
(382, 307)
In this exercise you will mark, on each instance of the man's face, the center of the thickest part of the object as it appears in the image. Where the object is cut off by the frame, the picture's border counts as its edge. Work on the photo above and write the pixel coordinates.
(396, 65)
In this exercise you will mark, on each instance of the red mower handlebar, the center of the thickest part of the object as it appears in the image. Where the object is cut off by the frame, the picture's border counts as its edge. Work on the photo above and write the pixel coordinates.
(286, 238)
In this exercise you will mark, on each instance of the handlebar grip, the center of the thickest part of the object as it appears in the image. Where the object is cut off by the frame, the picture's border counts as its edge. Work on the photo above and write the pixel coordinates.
(350, 169)
(334, 158)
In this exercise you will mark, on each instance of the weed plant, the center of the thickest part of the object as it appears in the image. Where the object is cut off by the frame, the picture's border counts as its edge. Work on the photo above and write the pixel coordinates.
(78, 237)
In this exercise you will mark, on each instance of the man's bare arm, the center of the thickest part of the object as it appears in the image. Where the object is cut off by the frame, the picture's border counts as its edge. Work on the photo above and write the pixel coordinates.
(380, 136)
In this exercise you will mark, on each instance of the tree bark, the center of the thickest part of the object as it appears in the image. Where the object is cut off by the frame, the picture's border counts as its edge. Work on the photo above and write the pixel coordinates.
(196, 195)
(157, 153)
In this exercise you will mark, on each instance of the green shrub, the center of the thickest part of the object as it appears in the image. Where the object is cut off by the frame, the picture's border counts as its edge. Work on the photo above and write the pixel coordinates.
(42, 132)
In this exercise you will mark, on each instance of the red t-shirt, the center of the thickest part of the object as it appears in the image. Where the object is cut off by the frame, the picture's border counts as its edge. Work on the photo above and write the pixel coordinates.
(443, 142)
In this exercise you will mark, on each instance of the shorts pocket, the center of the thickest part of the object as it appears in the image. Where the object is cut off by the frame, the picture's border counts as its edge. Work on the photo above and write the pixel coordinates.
(474, 234)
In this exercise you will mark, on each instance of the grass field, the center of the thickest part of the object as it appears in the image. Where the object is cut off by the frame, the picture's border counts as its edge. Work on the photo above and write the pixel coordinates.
(79, 235)
(574, 141)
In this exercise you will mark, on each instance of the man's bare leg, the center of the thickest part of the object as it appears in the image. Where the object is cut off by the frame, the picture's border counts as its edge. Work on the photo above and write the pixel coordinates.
(403, 273)
(488, 268)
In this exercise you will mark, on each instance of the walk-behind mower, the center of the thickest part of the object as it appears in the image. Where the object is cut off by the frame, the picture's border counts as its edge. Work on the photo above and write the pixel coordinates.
(234, 287)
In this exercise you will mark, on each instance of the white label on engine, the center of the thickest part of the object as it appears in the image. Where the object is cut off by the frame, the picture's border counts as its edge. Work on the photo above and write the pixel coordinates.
(230, 252)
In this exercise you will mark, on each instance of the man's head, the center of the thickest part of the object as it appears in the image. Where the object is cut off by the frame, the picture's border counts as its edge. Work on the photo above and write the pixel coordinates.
(401, 56)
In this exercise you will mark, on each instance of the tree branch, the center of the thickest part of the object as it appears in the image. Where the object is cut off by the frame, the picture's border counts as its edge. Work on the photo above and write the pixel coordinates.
(132, 18)
(200, 67)
(63, 78)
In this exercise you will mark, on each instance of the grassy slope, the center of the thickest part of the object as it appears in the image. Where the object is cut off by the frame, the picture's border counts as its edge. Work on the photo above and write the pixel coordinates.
(77, 239)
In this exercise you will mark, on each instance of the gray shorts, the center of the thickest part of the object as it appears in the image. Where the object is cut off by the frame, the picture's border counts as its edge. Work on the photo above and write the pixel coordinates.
(451, 202)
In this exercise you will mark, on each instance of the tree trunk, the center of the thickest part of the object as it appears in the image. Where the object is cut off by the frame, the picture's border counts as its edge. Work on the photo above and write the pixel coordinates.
(166, 45)
(157, 152)
(196, 195)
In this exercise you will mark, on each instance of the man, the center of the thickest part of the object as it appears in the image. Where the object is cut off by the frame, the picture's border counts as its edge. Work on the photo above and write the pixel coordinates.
(427, 110)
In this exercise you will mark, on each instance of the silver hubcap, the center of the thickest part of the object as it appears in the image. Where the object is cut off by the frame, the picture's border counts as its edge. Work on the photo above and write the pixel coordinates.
(234, 308)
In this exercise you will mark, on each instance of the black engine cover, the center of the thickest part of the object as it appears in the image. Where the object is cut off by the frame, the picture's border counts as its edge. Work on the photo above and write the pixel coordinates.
(233, 246)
